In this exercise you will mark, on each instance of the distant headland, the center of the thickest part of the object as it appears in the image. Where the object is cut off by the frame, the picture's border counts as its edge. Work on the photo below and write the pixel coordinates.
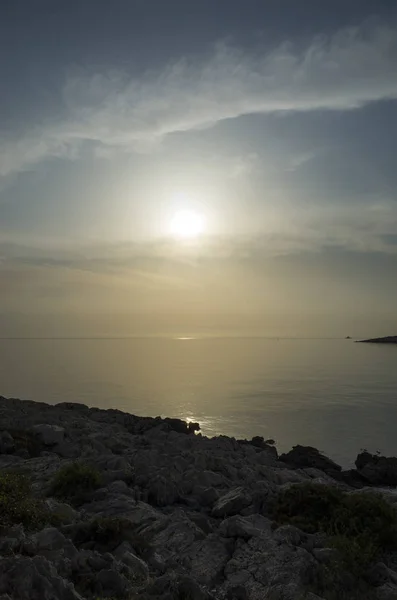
(391, 339)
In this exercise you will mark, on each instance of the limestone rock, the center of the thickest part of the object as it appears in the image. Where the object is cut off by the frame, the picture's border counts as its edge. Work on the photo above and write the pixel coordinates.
(231, 503)
(49, 434)
(34, 579)
(7, 444)
(306, 456)
(377, 470)
(244, 527)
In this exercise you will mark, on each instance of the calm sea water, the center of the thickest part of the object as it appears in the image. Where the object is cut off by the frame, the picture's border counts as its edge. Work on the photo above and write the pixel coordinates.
(332, 394)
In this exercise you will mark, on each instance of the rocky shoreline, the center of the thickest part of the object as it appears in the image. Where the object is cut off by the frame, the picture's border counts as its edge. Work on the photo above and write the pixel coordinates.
(170, 513)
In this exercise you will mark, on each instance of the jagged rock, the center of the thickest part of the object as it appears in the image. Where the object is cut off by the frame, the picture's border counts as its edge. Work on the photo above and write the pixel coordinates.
(139, 569)
(75, 406)
(289, 534)
(173, 537)
(236, 592)
(34, 579)
(306, 456)
(107, 502)
(181, 426)
(244, 527)
(51, 543)
(67, 449)
(325, 555)
(232, 503)
(363, 458)
(162, 492)
(49, 434)
(7, 444)
(112, 583)
(378, 575)
(12, 541)
(189, 588)
(388, 591)
(207, 559)
(205, 496)
(62, 511)
(377, 470)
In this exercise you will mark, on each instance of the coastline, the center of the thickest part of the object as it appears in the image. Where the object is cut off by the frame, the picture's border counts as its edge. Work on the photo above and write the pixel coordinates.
(202, 506)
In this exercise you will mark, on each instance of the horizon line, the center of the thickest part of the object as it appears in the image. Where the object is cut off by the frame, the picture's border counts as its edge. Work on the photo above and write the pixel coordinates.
(175, 338)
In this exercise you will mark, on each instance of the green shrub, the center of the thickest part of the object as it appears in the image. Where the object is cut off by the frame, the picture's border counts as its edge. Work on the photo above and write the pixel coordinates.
(75, 483)
(360, 526)
(17, 505)
(307, 506)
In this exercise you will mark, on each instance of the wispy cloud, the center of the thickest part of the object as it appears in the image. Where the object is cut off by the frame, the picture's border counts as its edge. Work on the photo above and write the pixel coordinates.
(367, 228)
(354, 67)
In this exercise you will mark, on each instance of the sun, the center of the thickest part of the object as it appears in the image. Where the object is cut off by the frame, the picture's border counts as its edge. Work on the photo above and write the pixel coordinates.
(187, 224)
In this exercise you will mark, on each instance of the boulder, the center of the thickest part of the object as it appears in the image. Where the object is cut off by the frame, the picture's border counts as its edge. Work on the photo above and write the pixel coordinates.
(138, 568)
(189, 588)
(207, 558)
(377, 470)
(181, 426)
(325, 555)
(288, 534)
(112, 583)
(388, 591)
(206, 496)
(7, 444)
(75, 406)
(173, 537)
(268, 568)
(301, 457)
(51, 543)
(62, 511)
(244, 527)
(162, 491)
(12, 541)
(25, 578)
(49, 539)
(231, 503)
(50, 435)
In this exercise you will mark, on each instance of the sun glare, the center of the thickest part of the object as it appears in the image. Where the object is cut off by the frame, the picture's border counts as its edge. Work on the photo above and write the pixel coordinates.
(187, 224)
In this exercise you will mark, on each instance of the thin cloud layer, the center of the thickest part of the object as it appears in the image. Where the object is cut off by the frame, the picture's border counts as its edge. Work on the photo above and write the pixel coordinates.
(352, 68)
(366, 229)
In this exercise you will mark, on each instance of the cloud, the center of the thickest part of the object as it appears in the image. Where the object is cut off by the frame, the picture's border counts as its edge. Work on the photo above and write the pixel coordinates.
(368, 228)
(354, 67)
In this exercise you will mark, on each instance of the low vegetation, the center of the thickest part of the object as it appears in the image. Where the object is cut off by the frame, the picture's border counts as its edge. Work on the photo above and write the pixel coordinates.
(18, 505)
(74, 483)
(362, 527)
(104, 534)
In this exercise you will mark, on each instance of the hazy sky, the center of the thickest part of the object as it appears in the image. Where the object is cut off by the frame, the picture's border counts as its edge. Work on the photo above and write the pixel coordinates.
(272, 122)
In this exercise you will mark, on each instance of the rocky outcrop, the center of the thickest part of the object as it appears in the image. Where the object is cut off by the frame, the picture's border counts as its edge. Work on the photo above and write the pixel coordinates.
(306, 456)
(391, 339)
(377, 470)
(175, 515)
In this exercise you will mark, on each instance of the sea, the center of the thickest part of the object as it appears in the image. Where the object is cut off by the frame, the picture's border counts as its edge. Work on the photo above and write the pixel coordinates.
(334, 394)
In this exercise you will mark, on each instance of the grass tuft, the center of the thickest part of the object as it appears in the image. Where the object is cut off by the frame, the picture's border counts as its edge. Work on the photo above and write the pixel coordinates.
(75, 483)
(18, 505)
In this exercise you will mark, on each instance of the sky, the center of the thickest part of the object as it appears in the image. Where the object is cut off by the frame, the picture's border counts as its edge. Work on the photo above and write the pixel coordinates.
(267, 129)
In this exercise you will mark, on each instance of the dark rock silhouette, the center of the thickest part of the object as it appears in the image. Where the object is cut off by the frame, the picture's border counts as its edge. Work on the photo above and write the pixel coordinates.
(391, 339)
(377, 470)
(306, 456)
